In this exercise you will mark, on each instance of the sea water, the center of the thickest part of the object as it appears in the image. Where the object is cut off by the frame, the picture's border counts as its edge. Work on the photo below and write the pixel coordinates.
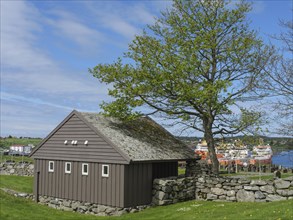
(285, 159)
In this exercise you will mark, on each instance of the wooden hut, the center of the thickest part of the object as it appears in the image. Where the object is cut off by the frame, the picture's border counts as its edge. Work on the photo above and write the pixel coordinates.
(92, 158)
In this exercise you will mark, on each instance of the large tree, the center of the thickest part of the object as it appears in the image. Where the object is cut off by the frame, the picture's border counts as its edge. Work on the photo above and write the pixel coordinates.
(197, 64)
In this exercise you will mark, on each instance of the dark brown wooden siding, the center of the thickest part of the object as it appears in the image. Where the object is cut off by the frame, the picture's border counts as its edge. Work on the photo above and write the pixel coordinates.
(164, 169)
(91, 188)
(75, 129)
(139, 180)
(138, 184)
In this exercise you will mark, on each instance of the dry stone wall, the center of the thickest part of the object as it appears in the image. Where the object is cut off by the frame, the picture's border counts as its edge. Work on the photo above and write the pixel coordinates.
(87, 208)
(213, 188)
(20, 169)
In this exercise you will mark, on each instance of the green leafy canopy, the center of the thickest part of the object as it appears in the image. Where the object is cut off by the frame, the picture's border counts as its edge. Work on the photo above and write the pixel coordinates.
(197, 60)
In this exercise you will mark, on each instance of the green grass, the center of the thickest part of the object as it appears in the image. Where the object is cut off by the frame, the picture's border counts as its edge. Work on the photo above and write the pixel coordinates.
(17, 183)
(19, 208)
(22, 209)
(181, 170)
(16, 159)
(255, 175)
(270, 177)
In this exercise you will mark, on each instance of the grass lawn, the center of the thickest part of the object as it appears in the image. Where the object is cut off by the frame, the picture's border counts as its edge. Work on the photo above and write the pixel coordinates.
(255, 175)
(17, 183)
(19, 208)
(181, 170)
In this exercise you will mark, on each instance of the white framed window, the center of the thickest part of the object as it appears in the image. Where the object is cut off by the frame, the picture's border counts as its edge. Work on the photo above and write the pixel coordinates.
(51, 166)
(105, 170)
(67, 167)
(85, 169)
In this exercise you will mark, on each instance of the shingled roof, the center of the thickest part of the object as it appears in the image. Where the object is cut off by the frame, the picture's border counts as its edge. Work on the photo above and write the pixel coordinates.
(141, 139)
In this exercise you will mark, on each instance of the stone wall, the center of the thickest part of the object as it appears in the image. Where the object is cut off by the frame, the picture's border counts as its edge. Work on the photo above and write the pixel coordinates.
(213, 188)
(18, 194)
(76, 206)
(87, 208)
(20, 169)
(173, 189)
(197, 167)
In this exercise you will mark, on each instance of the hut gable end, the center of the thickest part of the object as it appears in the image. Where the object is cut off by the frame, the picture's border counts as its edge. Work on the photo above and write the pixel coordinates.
(75, 140)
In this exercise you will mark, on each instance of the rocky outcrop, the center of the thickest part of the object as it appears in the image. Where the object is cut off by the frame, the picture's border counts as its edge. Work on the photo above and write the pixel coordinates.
(19, 169)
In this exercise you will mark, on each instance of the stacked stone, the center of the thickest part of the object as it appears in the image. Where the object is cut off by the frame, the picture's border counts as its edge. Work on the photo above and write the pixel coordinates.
(87, 208)
(172, 190)
(196, 168)
(20, 169)
(18, 194)
(242, 190)
(214, 188)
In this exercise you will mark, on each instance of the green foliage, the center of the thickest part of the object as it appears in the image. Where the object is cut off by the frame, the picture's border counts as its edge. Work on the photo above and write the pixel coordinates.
(197, 62)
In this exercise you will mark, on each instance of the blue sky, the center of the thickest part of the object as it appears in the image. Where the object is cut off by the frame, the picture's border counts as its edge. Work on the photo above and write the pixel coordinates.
(48, 46)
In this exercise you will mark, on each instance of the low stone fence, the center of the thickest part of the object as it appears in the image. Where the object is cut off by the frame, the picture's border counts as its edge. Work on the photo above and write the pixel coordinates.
(173, 189)
(20, 169)
(87, 208)
(213, 188)
(18, 194)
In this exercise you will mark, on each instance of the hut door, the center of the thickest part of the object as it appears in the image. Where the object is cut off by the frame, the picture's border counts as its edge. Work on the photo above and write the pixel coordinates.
(37, 186)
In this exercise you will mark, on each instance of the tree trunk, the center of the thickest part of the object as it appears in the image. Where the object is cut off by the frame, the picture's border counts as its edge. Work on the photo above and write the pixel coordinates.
(208, 135)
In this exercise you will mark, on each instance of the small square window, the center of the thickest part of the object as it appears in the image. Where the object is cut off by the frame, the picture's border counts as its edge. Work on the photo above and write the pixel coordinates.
(105, 170)
(51, 166)
(85, 169)
(67, 167)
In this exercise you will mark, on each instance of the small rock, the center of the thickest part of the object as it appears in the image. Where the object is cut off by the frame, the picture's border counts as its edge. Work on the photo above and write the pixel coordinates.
(217, 191)
(251, 188)
(67, 203)
(272, 198)
(267, 189)
(259, 195)
(258, 182)
(231, 193)
(211, 197)
(245, 196)
(281, 184)
(102, 208)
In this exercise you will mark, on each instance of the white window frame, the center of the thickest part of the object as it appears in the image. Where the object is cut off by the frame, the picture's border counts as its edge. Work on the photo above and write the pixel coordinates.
(49, 166)
(82, 169)
(105, 174)
(67, 171)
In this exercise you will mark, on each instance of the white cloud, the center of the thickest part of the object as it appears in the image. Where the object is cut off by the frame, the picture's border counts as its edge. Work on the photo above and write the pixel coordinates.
(120, 26)
(68, 26)
(28, 68)
(125, 20)
(18, 34)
